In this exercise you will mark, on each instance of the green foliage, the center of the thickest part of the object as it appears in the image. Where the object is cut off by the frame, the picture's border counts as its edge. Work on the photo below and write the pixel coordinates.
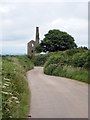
(38, 48)
(15, 91)
(56, 60)
(56, 40)
(39, 60)
(49, 70)
(71, 63)
(80, 59)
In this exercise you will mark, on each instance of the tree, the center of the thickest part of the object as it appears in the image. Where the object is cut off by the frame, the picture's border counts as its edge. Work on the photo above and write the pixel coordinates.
(56, 40)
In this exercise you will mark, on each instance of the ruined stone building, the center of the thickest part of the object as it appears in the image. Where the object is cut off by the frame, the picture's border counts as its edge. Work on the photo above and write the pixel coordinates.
(32, 44)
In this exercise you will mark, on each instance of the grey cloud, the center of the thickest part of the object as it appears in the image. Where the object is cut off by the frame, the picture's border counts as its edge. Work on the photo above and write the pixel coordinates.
(20, 19)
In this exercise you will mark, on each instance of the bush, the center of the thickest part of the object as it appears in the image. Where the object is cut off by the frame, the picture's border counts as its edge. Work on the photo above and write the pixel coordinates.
(71, 64)
(49, 69)
(59, 72)
(39, 60)
(80, 59)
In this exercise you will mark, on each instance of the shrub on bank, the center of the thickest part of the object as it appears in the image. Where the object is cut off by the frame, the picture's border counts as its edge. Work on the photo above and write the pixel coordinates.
(71, 64)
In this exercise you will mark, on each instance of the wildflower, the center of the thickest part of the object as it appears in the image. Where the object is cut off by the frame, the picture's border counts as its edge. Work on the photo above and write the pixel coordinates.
(6, 84)
(17, 102)
(10, 101)
(10, 116)
(7, 79)
(7, 109)
(3, 86)
(10, 94)
(14, 98)
(17, 93)
(6, 93)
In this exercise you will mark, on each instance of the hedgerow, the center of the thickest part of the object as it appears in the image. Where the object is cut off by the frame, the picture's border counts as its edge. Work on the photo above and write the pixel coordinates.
(70, 63)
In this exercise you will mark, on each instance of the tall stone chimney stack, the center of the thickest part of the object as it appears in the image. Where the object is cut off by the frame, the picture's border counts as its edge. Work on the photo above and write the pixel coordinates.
(32, 44)
(37, 36)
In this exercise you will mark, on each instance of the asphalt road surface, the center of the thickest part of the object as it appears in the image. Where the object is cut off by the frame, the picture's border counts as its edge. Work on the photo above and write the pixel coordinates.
(56, 97)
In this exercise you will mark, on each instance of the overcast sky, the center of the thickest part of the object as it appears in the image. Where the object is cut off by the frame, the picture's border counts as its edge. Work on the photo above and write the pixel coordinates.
(18, 21)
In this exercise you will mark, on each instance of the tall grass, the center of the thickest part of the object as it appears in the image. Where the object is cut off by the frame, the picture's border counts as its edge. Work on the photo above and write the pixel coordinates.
(25, 62)
(72, 72)
(75, 73)
(15, 91)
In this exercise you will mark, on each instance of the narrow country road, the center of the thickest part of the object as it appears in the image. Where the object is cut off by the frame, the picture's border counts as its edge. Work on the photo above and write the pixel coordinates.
(56, 97)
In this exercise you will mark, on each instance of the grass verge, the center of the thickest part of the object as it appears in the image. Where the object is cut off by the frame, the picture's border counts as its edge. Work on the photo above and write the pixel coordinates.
(15, 91)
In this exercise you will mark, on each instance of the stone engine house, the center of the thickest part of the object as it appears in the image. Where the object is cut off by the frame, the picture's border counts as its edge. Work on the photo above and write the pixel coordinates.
(32, 44)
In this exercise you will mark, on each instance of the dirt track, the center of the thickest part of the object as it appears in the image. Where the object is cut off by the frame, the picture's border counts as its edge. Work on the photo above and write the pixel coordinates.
(56, 97)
